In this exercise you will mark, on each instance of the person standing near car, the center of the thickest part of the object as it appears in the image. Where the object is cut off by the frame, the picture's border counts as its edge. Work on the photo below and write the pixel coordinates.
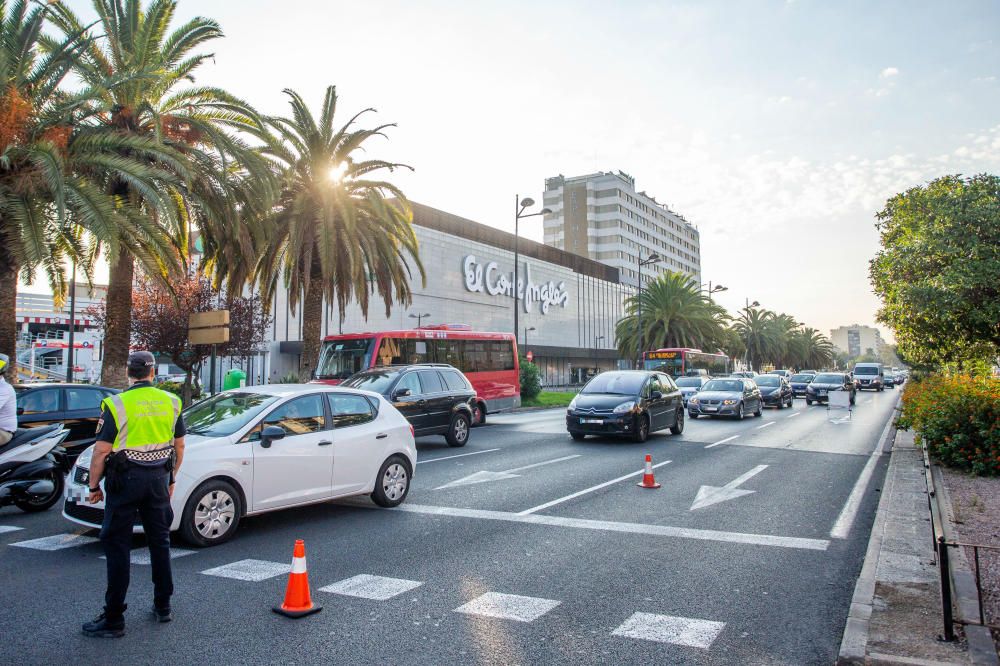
(8, 404)
(139, 449)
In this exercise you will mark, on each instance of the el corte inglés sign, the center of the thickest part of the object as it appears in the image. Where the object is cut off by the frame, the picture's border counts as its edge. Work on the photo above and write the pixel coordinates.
(488, 279)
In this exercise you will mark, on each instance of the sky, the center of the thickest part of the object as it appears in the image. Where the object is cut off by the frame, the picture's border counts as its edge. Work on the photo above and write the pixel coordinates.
(779, 128)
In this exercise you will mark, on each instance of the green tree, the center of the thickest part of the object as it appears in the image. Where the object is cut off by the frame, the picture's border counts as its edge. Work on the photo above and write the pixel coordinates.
(334, 232)
(938, 272)
(675, 313)
(808, 348)
(531, 379)
(758, 334)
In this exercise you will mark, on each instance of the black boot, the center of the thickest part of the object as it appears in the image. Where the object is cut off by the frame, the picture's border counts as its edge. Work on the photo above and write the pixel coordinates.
(163, 614)
(105, 627)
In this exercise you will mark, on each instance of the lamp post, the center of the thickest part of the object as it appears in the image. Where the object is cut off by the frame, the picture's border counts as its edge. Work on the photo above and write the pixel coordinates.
(651, 259)
(746, 356)
(712, 290)
(72, 326)
(419, 317)
(520, 205)
(526, 329)
(597, 340)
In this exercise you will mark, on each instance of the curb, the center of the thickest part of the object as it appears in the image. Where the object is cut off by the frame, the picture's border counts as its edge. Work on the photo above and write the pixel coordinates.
(854, 645)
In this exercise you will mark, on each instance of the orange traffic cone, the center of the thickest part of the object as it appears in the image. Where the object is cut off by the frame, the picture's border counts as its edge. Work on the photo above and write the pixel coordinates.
(297, 602)
(648, 481)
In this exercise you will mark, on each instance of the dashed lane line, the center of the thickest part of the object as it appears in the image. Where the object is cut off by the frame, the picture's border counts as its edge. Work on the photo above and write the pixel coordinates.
(769, 423)
(591, 489)
(722, 441)
(629, 528)
(845, 520)
(793, 415)
(460, 455)
(9, 528)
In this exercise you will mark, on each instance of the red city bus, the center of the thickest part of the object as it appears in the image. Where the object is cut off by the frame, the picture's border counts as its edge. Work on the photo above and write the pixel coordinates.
(682, 361)
(489, 360)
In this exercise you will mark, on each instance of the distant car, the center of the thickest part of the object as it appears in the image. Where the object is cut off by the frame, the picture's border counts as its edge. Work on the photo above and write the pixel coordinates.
(690, 385)
(787, 374)
(435, 398)
(869, 376)
(76, 406)
(736, 397)
(263, 448)
(775, 390)
(743, 375)
(799, 382)
(631, 403)
(890, 378)
(822, 384)
(809, 372)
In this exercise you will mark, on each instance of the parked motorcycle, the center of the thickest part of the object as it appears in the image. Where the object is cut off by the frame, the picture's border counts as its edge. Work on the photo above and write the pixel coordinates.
(33, 468)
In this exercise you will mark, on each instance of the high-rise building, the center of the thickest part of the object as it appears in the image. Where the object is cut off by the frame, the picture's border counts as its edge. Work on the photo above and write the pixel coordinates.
(601, 216)
(856, 340)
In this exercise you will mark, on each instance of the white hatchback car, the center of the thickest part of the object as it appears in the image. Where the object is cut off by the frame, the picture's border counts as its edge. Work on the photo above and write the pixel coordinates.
(261, 448)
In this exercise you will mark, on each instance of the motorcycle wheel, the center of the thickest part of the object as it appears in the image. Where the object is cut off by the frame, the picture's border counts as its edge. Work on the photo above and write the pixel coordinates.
(43, 503)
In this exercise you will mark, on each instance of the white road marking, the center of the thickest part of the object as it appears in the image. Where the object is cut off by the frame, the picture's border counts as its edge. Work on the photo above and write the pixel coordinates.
(141, 555)
(769, 423)
(250, 570)
(709, 495)
(485, 475)
(723, 441)
(57, 542)
(460, 455)
(629, 528)
(591, 489)
(9, 528)
(793, 415)
(686, 631)
(508, 607)
(845, 520)
(366, 586)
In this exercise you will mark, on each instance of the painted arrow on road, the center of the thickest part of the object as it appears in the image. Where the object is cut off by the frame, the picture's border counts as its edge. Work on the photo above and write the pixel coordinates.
(484, 476)
(709, 495)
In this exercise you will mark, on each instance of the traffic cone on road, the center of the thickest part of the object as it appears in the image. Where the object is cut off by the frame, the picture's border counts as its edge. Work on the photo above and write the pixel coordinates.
(297, 602)
(648, 481)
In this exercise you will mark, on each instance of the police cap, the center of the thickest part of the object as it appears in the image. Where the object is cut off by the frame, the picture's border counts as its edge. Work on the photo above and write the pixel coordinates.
(140, 360)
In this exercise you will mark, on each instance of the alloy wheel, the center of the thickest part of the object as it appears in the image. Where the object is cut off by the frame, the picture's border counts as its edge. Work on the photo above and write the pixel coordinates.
(214, 514)
(395, 481)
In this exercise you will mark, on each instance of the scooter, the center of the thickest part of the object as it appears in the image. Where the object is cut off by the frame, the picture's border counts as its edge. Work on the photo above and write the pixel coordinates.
(33, 468)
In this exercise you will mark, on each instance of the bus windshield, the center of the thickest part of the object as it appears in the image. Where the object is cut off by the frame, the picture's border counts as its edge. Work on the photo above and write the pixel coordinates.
(342, 358)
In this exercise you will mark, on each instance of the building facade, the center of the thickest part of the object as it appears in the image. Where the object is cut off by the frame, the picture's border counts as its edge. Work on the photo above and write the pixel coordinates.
(601, 216)
(569, 308)
(855, 340)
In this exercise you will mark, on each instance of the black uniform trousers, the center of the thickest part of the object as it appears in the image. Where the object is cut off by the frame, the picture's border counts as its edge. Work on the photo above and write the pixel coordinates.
(144, 492)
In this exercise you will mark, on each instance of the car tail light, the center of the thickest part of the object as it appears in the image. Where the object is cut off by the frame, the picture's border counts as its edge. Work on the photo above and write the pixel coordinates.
(413, 433)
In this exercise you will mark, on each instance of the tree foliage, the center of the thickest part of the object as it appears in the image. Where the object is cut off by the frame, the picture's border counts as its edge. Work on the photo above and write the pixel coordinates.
(531, 379)
(938, 272)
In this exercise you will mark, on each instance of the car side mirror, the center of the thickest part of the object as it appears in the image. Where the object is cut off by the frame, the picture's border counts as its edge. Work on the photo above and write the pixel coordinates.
(655, 395)
(269, 434)
(401, 393)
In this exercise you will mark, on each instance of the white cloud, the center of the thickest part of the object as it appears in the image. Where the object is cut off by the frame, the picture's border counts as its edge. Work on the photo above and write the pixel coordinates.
(889, 72)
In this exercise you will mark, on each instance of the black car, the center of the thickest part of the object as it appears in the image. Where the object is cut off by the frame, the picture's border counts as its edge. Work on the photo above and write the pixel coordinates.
(799, 382)
(821, 385)
(435, 398)
(76, 406)
(774, 390)
(632, 403)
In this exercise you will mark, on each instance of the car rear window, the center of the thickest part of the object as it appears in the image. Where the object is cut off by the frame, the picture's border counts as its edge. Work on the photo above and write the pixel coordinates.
(829, 379)
(802, 378)
(455, 381)
(430, 381)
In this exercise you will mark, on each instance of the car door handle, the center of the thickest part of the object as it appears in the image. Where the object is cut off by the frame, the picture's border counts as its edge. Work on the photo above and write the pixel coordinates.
(381, 435)
(325, 442)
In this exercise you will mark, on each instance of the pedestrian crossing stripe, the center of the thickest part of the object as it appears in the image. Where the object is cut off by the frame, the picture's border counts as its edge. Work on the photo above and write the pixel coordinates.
(141, 555)
(508, 607)
(250, 570)
(686, 631)
(56, 542)
(366, 586)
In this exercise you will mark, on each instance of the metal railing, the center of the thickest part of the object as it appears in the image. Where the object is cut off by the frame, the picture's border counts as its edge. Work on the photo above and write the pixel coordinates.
(947, 605)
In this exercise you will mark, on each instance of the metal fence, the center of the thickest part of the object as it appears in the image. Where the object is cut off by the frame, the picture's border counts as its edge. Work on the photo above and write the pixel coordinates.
(986, 569)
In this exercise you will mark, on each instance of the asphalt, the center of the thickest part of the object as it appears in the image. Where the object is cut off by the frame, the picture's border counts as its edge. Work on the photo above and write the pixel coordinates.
(756, 578)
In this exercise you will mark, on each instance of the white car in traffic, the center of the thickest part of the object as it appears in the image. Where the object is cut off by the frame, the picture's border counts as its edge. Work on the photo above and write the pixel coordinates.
(262, 448)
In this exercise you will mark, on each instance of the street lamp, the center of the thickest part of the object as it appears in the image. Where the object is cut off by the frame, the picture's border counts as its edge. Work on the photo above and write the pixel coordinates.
(70, 356)
(755, 304)
(712, 290)
(651, 259)
(526, 329)
(597, 340)
(520, 205)
(419, 317)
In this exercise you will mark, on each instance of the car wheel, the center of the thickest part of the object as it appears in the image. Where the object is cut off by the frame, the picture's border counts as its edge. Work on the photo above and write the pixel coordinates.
(809, 402)
(211, 514)
(45, 502)
(642, 431)
(739, 412)
(577, 436)
(693, 415)
(458, 431)
(479, 414)
(781, 403)
(678, 426)
(760, 411)
(392, 484)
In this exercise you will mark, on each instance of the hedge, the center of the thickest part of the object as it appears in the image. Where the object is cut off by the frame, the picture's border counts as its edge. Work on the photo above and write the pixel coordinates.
(958, 418)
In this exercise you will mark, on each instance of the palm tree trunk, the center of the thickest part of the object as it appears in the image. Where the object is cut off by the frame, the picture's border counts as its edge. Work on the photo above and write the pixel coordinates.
(118, 323)
(8, 308)
(312, 320)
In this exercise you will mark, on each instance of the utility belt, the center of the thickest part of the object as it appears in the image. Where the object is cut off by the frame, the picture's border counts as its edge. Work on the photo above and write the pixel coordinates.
(118, 464)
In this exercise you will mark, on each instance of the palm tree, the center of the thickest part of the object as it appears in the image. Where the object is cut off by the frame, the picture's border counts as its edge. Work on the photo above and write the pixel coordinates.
(675, 313)
(334, 233)
(758, 335)
(136, 80)
(782, 327)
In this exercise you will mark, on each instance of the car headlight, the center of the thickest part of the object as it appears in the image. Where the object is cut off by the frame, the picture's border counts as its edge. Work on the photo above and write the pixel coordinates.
(693, 400)
(572, 403)
(625, 407)
(728, 402)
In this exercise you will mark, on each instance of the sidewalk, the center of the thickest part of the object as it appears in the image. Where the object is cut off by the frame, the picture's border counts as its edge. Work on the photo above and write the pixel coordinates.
(895, 614)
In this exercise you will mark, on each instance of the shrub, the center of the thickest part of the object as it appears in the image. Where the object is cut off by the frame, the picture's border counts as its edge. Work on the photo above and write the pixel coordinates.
(531, 379)
(958, 418)
(177, 388)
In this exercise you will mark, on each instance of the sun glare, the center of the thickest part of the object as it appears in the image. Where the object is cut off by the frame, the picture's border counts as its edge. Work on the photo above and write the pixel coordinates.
(336, 173)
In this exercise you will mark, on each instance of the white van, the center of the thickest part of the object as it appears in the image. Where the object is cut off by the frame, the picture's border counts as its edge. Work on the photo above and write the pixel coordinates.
(869, 376)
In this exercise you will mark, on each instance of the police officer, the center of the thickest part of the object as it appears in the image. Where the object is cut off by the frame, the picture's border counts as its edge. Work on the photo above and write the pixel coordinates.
(139, 449)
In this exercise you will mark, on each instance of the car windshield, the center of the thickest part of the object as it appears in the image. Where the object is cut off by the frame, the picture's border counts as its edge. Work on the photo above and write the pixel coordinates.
(829, 379)
(225, 413)
(342, 358)
(689, 381)
(378, 381)
(616, 383)
(728, 385)
(768, 380)
(802, 378)
(866, 370)
(777, 372)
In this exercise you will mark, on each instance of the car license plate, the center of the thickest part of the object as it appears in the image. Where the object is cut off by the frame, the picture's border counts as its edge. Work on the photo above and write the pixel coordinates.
(77, 494)
(710, 409)
(591, 420)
